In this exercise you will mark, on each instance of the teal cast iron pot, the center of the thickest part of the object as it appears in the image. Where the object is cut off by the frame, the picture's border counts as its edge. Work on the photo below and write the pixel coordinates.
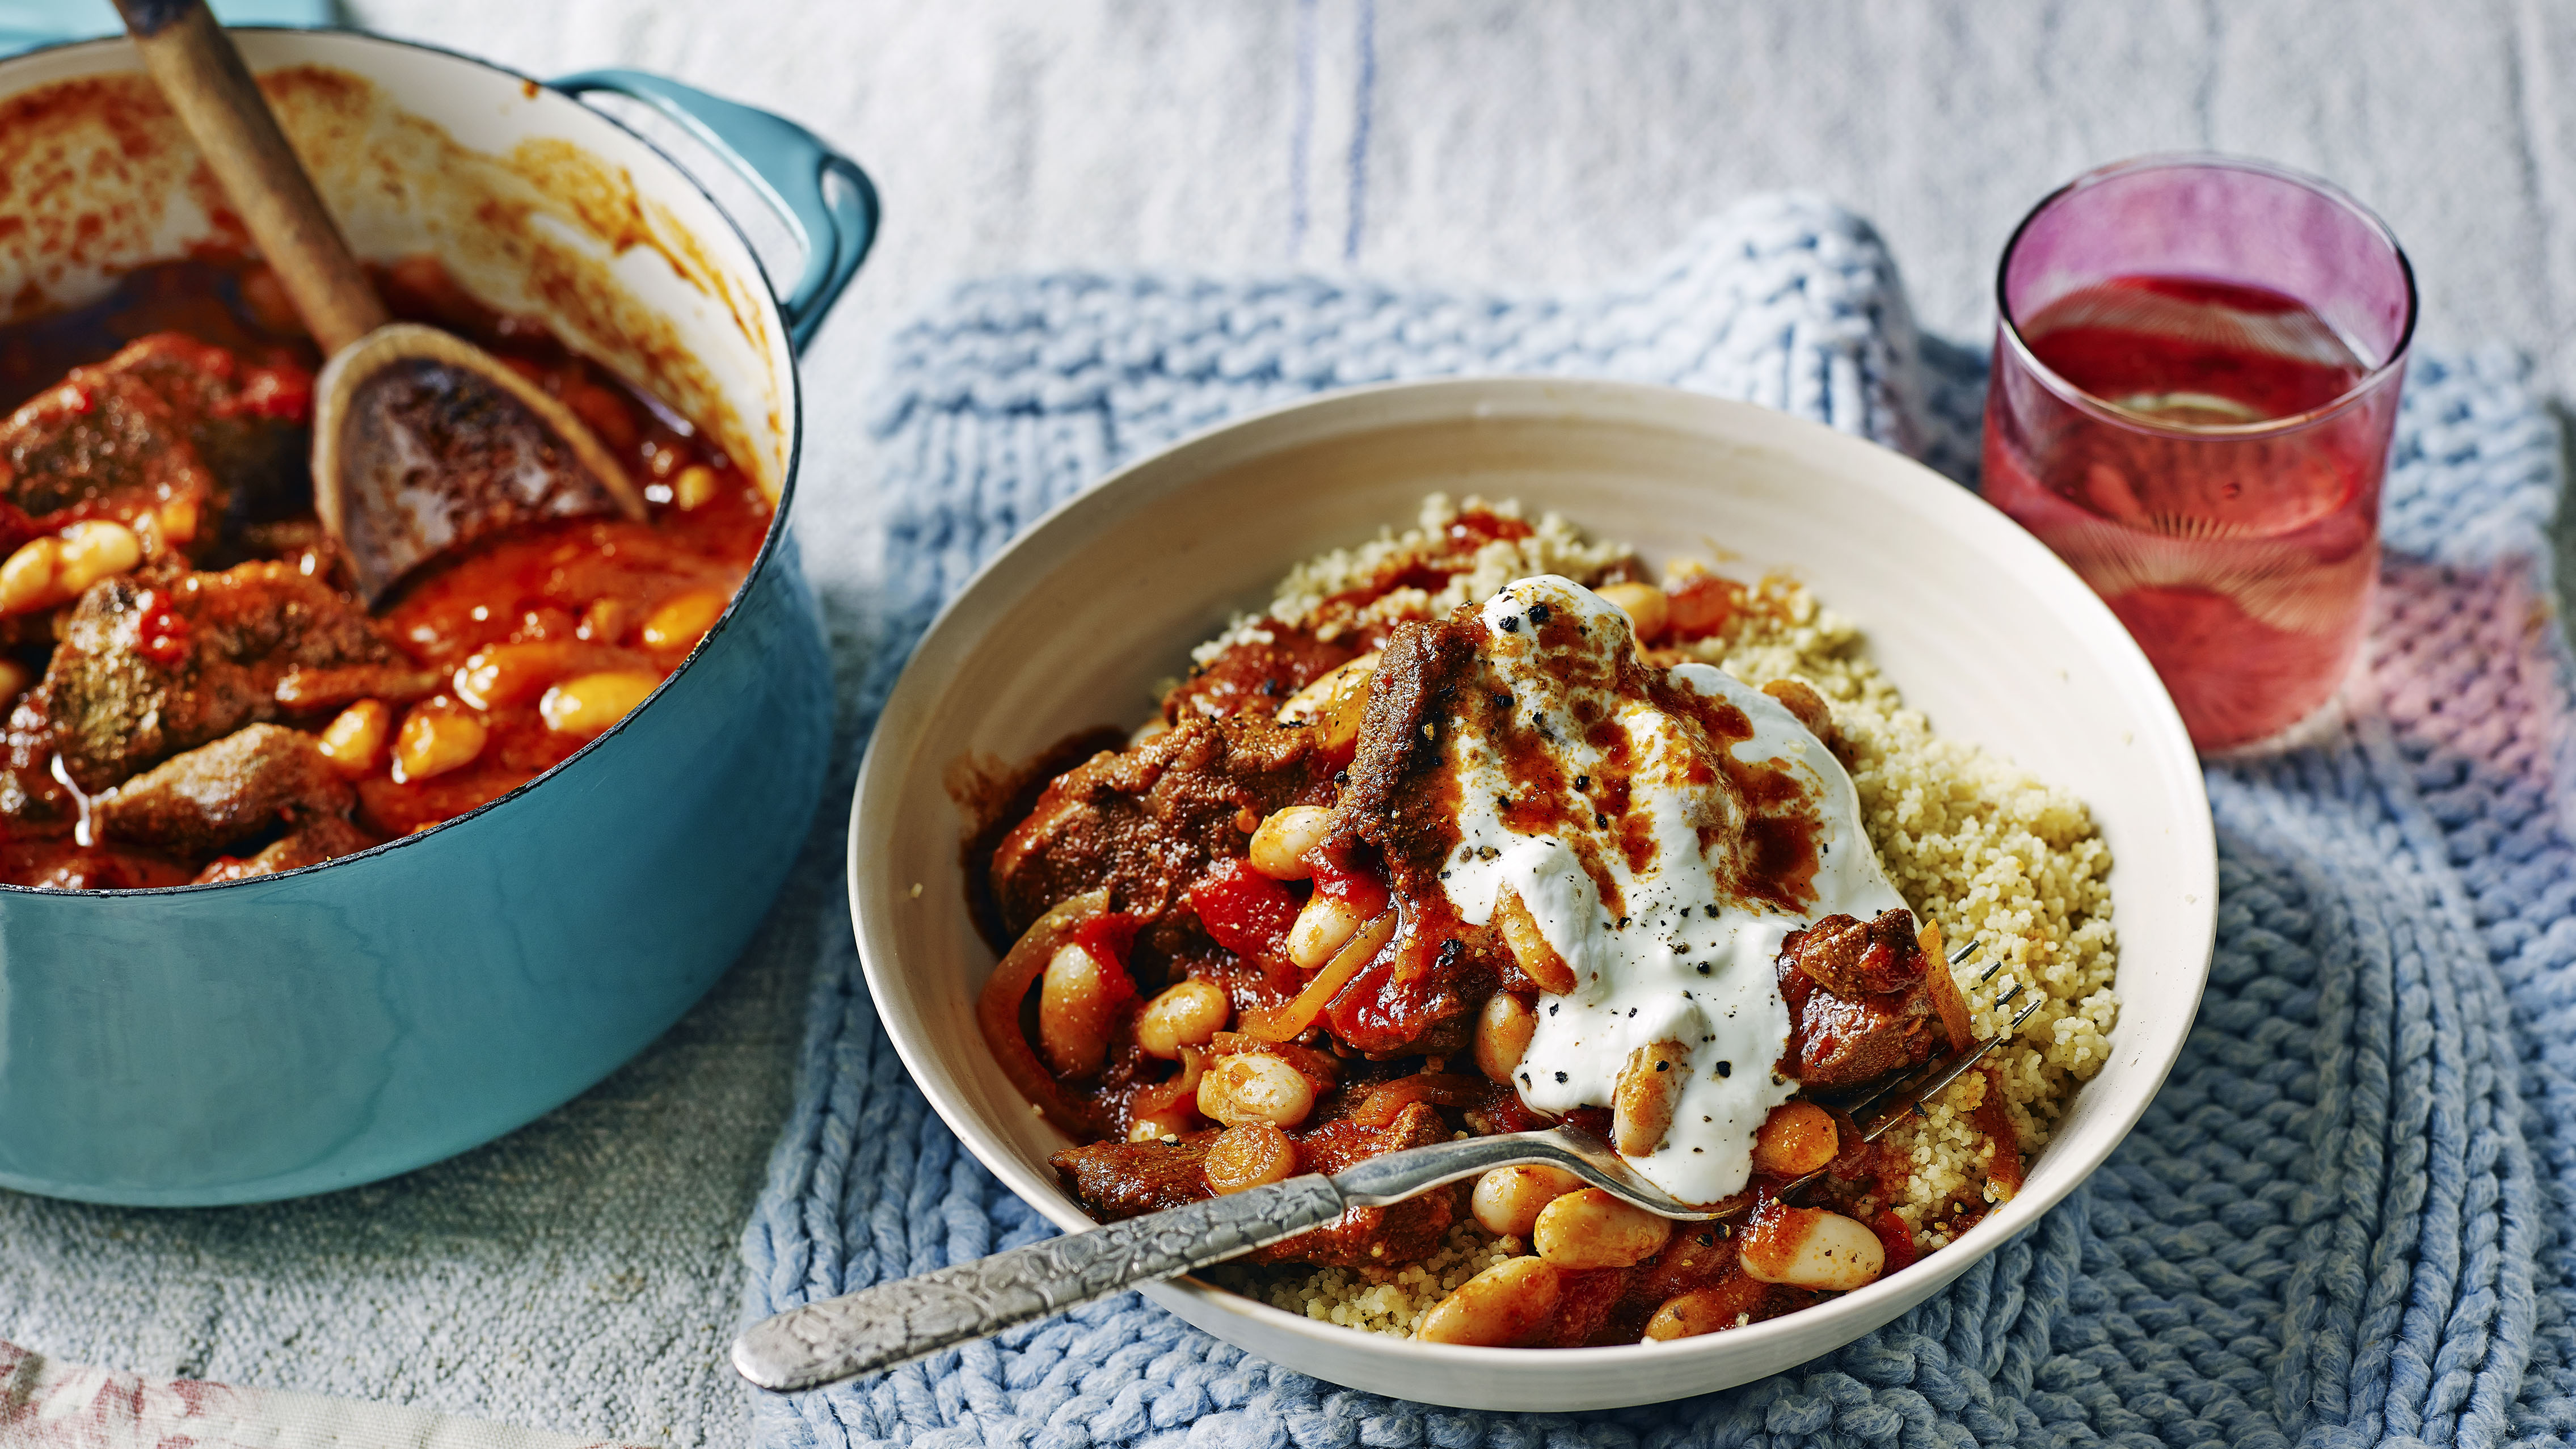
(300, 1032)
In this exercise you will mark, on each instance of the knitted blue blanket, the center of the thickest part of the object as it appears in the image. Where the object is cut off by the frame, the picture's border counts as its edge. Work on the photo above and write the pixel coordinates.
(2346, 1219)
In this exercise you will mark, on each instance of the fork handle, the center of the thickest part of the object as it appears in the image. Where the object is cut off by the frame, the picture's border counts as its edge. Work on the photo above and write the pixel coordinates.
(895, 1323)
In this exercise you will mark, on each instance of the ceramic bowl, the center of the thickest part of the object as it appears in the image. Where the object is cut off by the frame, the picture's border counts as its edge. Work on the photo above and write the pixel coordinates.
(1981, 627)
(304, 1031)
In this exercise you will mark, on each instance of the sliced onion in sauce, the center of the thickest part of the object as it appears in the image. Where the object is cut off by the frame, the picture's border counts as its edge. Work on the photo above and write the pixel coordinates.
(1444, 1089)
(1288, 1021)
(1944, 987)
(997, 1011)
(1182, 1086)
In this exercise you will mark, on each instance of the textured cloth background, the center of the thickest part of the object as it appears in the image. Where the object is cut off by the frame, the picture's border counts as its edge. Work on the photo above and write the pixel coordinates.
(47, 1405)
(582, 1275)
(1534, 145)
(2342, 1220)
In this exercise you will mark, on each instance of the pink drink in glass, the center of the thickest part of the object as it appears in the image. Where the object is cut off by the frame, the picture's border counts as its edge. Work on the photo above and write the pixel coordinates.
(2195, 377)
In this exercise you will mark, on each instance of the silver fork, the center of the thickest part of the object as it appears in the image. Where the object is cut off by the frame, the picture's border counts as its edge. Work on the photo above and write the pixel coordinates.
(894, 1323)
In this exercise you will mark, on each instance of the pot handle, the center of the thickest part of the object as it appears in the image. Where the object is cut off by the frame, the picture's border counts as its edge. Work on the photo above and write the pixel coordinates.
(787, 165)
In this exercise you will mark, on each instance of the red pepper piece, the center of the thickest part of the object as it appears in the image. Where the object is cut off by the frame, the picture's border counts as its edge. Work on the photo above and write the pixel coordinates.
(1247, 912)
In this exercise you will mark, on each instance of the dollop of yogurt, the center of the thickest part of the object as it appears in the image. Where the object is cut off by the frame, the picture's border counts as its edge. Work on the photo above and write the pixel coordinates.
(1664, 910)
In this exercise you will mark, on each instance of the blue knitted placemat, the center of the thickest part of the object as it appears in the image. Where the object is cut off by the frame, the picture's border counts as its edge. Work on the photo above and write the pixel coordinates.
(2341, 1222)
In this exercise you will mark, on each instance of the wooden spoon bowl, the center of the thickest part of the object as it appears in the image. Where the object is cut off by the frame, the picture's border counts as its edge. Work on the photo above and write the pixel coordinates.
(428, 442)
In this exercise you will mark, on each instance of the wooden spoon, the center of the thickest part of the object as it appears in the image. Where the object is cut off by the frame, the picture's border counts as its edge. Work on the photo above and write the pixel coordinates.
(422, 441)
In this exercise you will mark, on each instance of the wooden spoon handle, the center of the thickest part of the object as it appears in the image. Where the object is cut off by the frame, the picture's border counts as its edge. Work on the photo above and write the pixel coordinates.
(202, 76)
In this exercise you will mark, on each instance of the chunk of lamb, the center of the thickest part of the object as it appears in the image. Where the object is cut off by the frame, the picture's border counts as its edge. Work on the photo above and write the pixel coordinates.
(326, 837)
(1115, 1180)
(1860, 1001)
(1400, 807)
(169, 427)
(247, 783)
(1370, 1237)
(143, 673)
(30, 796)
(1147, 821)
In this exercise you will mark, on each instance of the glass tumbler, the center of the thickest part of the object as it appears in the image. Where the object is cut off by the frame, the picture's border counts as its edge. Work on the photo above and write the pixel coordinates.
(2195, 376)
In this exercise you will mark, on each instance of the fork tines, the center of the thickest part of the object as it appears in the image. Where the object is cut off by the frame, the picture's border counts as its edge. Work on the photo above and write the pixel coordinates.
(1889, 1104)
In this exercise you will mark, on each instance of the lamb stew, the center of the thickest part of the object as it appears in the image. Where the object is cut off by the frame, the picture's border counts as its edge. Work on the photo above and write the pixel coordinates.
(195, 694)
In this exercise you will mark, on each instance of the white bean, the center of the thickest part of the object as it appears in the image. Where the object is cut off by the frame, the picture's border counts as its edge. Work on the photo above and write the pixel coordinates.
(590, 703)
(354, 741)
(1810, 1248)
(1508, 1200)
(1529, 945)
(1190, 1013)
(435, 741)
(1703, 1310)
(1647, 609)
(1641, 1106)
(1154, 1127)
(1592, 1229)
(683, 620)
(1504, 1305)
(1503, 1032)
(1323, 926)
(605, 621)
(92, 550)
(1796, 1139)
(695, 488)
(1335, 704)
(1280, 844)
(1255, 1087)
(27, 579)
(1077, 1001)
